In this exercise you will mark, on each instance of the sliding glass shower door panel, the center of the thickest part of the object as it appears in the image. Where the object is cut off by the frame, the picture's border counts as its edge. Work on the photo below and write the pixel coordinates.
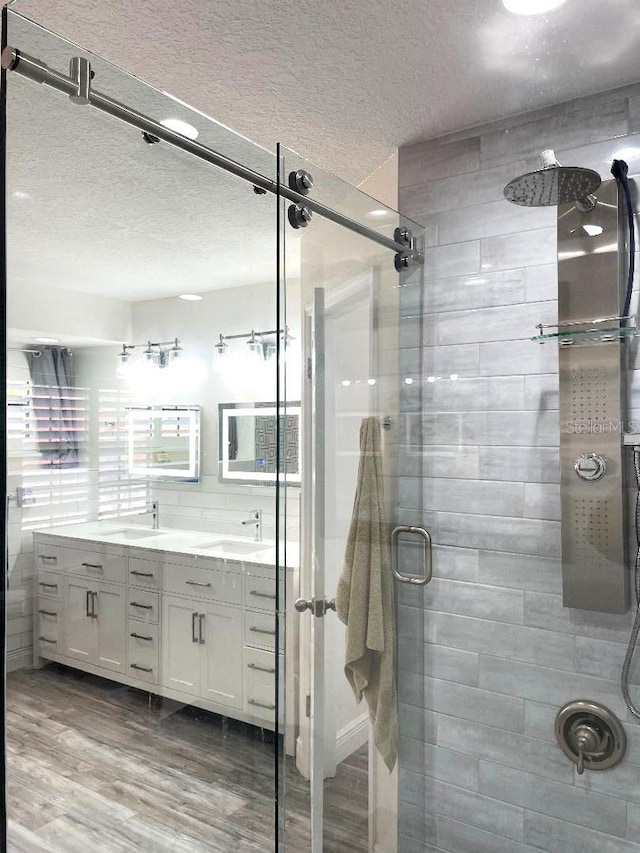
(356, 411)
(142, 707)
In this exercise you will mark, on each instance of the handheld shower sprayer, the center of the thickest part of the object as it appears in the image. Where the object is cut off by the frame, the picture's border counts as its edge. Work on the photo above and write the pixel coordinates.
(553, 184)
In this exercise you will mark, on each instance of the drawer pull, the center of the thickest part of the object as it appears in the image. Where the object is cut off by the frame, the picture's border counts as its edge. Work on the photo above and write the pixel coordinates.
(268, 631)
(48, 613)
(257, 594)
(269, 669)
(141, 668)
(48, 558)
(142, 574)
(96, 566)
(197, 583)
(48, 585)
(140, 637)
(141, 606)
(47, 640)
(269, 706)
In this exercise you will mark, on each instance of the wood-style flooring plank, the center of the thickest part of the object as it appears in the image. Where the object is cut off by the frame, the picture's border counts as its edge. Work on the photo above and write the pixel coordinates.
(95, 767)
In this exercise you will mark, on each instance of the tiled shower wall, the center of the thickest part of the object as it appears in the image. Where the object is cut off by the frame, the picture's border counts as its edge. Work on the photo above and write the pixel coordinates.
(501, 655)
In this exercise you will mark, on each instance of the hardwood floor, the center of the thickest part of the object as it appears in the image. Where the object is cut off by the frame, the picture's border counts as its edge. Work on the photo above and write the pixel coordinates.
(94, 766)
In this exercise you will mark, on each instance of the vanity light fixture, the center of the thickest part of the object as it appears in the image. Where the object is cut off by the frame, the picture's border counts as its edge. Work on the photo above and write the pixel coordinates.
(154, 354)
(531, 7)
(260, 344)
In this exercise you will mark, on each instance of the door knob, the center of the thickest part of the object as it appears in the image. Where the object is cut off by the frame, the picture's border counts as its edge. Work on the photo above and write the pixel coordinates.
(318, 608)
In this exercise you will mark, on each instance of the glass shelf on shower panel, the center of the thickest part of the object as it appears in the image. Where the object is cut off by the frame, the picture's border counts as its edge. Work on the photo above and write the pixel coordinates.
(597, 331)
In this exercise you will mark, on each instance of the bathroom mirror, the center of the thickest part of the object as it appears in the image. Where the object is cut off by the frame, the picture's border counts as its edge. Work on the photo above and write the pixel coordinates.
(164, 442)
(247, 445)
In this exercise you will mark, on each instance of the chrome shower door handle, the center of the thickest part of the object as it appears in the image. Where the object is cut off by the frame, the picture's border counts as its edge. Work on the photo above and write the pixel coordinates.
(426, 555)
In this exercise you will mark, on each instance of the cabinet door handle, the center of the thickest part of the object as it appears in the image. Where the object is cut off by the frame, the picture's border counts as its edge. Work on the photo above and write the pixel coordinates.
(94, 598)
(257, 594)
(268, 631)
(142, 574)
(96, 566)
(88, 600)
(140, 637)
(141, 668)
(47, 640)
(197, 583)
(47, 558)
(194, 619)
(48, 613)
(200, 624)
(268, 705)
(49, 585)
(141, 606)
(269, 669)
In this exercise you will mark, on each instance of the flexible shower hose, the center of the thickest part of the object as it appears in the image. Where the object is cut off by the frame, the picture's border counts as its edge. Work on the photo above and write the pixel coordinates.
(635, 631)
(620, 171)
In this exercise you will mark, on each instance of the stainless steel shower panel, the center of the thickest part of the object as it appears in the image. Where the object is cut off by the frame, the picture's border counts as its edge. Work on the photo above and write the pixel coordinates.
(594, 570)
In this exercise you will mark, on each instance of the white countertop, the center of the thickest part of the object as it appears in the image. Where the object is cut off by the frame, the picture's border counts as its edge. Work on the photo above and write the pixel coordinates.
(237, 548)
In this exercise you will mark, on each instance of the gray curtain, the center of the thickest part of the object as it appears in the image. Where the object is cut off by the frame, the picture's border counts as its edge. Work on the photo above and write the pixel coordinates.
(53, 405)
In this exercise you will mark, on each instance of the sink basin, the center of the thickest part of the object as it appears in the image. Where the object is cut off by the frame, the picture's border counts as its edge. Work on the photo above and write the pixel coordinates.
(230, 547)
(134, 533)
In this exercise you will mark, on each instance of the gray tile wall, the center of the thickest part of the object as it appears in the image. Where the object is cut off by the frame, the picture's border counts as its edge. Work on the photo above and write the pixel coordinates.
(480, 770)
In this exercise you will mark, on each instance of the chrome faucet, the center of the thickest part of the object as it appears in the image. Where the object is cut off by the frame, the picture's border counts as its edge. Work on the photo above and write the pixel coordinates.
(255, 519)
(154, 509)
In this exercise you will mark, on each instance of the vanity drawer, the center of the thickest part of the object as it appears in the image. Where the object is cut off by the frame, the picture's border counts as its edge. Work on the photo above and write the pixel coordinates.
(260, 701)
(143, 651)
(259, 592)
(203, 583)
(49, 623)
(144, 669)
(260, 630)
(49, 585)
(49, 557)
(144, 573)
(49, 612)
(95, 564)
(259, 665)
(143, 605)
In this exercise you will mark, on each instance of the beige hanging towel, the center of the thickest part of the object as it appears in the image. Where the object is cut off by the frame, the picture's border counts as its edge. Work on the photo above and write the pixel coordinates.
(364, 598)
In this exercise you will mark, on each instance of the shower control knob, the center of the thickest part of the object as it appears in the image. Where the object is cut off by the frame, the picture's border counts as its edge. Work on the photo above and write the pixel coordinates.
(590, 466)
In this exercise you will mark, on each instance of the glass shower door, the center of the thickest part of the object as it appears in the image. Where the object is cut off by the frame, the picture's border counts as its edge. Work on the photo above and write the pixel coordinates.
(357, 403)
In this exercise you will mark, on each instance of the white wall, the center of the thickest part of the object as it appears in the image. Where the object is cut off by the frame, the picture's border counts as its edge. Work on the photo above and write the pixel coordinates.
(40, 308)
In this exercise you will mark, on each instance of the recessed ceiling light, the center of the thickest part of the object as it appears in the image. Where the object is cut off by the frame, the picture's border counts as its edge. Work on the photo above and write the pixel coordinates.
(531, 7)
(47, 340)
(593, 230)
(179, 126)
(190, 297)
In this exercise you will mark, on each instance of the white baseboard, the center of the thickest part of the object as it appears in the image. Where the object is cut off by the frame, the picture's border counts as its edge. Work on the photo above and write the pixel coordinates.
(21, 659)
(351, 737)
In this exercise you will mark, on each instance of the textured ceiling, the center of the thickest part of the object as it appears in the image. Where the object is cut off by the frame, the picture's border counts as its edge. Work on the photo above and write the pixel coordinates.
(346, 83)
(93, 208)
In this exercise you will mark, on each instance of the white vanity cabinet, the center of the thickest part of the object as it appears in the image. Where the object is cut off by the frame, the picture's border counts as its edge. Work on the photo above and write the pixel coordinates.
(188, 627)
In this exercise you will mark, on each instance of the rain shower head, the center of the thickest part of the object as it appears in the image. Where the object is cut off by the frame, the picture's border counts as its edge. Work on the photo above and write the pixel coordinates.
(554, 184)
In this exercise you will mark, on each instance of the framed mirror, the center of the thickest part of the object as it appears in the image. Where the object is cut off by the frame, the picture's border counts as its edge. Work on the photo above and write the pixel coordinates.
(247, 442)
(164, 442)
